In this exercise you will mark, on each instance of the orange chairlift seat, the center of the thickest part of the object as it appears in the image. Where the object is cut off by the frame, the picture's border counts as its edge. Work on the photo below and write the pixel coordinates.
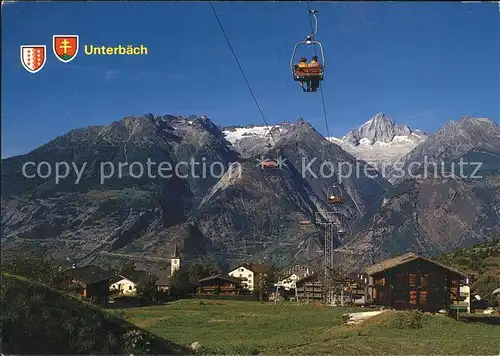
(267, 161)
(310, 76)
(336, 198)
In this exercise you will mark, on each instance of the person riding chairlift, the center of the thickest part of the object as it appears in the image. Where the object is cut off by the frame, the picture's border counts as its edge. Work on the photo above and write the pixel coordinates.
(303, 64)
(314, 64)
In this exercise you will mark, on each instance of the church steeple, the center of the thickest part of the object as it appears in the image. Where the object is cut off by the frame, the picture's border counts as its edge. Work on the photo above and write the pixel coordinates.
(176, 252)
(175, 262)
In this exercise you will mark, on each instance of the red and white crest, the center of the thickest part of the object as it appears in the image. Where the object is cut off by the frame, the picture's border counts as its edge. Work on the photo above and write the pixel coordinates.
(65, 47)
(33, 57)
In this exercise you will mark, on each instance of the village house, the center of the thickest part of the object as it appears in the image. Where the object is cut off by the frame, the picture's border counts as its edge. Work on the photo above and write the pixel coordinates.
(163, 283)
(126, 284)
(92, 282)
(411, 281)
(218, 285)
(289, 276)
(309, 288)
(250, 274)
(356, 289)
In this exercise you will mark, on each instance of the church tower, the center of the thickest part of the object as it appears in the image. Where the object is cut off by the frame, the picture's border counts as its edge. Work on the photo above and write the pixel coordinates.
(175, 262)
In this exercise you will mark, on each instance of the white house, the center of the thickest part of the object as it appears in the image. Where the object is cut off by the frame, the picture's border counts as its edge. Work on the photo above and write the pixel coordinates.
(465, 292)
(291, 275)
(288, 282)
(249, 274)
(126, 284)
(123, 285)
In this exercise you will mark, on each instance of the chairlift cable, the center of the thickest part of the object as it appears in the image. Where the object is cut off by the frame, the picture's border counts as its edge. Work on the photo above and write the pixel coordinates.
(324, 106)
(325, 114)
(312, 27)
(242, 71)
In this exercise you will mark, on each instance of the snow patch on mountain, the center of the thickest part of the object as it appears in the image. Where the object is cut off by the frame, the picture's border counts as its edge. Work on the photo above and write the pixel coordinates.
(236, 134)
(380, 141)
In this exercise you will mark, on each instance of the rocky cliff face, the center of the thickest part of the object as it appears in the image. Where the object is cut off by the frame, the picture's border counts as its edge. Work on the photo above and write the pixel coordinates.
(433, 214)
(451, 141)
(137, 185)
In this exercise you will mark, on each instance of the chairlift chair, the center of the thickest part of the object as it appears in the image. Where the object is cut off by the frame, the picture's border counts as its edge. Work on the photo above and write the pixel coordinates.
(336, 198)
(308, 75)
(268, 161)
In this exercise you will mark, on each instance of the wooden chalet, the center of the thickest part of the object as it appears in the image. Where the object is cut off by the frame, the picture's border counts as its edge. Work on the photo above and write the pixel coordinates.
(356, 288)
(92, 282)
(163, 283)
(411, 281)
(219, 285)
(309, 288)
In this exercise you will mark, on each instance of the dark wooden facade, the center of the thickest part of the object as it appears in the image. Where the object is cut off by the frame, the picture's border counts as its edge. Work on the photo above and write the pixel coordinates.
(219, 285)
(92, 283)
(356, 288)
(418, 283)
(309, 288)
(95, 292)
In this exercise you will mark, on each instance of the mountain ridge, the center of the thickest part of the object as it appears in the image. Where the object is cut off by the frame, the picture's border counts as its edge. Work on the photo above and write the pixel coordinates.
(256, 216)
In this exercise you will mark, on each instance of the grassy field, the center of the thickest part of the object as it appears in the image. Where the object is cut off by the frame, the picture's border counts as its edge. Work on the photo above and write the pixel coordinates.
(231, 327)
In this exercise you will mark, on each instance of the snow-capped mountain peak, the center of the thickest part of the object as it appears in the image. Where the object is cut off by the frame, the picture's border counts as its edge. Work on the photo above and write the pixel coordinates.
(380, 128)
(380, 140)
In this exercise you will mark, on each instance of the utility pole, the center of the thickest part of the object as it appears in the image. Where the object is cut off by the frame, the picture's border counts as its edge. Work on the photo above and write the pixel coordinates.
(332, 227)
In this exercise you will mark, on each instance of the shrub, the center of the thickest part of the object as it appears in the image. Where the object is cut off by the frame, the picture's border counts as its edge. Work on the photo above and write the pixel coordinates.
(407, 320)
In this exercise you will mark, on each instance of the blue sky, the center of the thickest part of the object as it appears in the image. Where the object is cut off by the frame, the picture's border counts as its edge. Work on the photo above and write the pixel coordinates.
(421, 64)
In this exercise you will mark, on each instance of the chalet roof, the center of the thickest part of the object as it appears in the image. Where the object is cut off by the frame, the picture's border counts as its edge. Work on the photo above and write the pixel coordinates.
(401, 260)
(91, 274)
(255, 267)
(355, 276)
(299, 270)
(137, 276)
(115, 279)
(163, 281)
(313, 276)
(219, 276)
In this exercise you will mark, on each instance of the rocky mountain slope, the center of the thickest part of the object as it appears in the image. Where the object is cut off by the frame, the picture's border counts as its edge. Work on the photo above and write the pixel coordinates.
(441, 207)
(452, 140)
(189, 192)
(203, 187)
(380, 142)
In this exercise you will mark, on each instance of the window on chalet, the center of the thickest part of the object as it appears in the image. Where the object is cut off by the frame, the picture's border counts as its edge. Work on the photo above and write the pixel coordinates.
(463, 293)
(413, 297)
(423, 297)
(380, 282)
(424, 280)
(413, 280)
